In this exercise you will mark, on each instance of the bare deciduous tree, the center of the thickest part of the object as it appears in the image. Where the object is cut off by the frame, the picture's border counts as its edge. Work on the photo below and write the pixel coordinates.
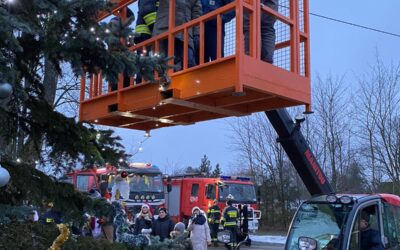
(378, 103)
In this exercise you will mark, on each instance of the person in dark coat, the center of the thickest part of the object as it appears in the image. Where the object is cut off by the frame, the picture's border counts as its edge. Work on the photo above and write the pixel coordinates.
(180, 238)
(185, 11)
(163, 226)
(51, 216)
(267, 32)
(214, 217)
(147, 12)
(230, 219)
(144, 221)
(210, 28)
(370, 238)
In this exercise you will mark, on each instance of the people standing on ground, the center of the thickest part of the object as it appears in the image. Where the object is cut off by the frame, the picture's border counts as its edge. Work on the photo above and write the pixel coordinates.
(51, 215)
(185, 11)
(163, 225)
(200, 231)
(230, 220)
(180, 238)
(144, 221)
(214, 217)
(267, 32)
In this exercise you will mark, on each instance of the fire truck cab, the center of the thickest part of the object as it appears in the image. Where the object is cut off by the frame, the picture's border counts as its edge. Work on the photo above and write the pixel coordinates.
(145, 183)
(87, 179)
(190, 191)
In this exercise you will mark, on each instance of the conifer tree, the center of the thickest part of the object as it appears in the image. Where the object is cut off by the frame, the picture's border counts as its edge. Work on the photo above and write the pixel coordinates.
(217, 171)
(38, 37)
(205, 166)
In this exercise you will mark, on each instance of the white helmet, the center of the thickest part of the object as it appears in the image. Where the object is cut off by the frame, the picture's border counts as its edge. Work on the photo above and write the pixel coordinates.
(229, 197)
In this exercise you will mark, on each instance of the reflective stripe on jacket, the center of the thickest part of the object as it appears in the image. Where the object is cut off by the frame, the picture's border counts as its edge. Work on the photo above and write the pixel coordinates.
(230, 216)
(147, 15)
(214, 214)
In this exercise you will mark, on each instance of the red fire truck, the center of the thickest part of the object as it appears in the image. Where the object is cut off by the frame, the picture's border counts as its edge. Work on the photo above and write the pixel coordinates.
(145, 183)
(188, 191)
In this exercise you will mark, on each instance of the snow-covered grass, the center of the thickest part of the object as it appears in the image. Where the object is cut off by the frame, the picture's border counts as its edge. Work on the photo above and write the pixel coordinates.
(269, 238)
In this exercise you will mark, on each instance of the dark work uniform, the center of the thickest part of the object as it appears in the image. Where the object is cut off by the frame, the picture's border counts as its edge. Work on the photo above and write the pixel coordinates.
(371, 240)
(214, 216)
(147, 15)
(210, 28)
(229, 220)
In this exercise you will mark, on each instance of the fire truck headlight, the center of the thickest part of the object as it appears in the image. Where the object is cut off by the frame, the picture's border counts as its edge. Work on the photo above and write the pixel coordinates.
(306, 243)
(331, 198)
(345, 199)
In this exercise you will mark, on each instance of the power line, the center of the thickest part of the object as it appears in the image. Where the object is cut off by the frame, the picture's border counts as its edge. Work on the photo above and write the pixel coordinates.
(356, 25)
(348, 23)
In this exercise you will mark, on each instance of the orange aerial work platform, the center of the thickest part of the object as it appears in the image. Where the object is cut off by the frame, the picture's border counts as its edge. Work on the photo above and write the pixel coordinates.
(236, 83)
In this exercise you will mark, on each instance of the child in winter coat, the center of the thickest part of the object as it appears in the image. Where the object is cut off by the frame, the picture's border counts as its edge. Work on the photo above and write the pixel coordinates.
(200, 231)
(180, 238)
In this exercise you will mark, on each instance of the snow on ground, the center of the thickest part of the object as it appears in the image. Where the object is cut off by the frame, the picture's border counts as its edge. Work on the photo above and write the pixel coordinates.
(269, 238)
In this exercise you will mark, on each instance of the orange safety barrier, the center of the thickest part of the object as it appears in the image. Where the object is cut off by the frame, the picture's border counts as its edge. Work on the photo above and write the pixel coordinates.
(236, 83)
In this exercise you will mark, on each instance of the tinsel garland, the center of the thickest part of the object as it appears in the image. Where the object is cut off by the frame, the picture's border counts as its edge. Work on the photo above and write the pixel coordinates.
(59, 241)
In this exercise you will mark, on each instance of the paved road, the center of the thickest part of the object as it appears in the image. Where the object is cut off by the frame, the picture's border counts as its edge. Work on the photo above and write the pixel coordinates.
(255, 245)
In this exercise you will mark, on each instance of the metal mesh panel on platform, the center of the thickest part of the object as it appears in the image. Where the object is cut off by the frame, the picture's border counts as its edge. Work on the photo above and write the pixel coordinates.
(301, 15)
(230, 38)
(302, 59)
(282, 31)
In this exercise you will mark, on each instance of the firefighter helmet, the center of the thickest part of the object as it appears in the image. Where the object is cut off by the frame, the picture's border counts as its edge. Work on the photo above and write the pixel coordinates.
(229, 197)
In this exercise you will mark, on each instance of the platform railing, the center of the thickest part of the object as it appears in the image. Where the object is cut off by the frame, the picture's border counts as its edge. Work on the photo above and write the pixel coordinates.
(291, 47)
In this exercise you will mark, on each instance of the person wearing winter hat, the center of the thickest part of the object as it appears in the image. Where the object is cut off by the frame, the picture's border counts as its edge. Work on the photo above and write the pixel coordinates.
(200, 231)
(163, 225)
(144, 221)
(180, 238)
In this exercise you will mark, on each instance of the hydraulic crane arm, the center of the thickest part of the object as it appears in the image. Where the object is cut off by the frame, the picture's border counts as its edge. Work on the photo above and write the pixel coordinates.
(299, 153)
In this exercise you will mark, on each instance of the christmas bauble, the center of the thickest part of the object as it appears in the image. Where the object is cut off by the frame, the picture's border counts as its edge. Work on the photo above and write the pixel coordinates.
(4, 177)
(5, 90)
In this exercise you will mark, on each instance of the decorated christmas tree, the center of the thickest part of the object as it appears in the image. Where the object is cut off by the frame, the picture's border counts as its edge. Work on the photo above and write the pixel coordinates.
(40, 41)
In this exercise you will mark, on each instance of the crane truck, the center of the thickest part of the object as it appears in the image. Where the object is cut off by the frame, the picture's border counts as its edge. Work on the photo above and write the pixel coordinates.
(328, 220)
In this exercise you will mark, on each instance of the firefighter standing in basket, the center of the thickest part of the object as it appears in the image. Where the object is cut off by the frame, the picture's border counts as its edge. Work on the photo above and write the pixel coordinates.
(214, 217)
(229, 220)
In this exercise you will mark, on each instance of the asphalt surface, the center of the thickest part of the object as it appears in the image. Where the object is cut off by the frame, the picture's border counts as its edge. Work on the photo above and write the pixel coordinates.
(255, 245)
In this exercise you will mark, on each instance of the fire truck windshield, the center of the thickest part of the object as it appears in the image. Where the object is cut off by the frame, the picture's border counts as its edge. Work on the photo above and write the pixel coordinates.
(243, 193)
(318, 224)
(146, 183)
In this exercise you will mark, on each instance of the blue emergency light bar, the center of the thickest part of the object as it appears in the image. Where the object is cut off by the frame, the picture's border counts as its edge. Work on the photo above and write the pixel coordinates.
(226, 177)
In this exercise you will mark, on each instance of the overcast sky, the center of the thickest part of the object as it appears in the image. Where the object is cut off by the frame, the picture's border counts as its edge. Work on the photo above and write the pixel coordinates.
(335, 48)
